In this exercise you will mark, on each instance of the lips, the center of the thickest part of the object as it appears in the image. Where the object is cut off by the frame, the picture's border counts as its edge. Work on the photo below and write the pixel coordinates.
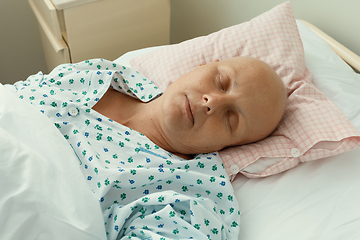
(189, 111)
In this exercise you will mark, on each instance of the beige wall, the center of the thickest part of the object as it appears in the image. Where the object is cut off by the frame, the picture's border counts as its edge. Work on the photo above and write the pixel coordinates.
(21, 52)
(338, 18)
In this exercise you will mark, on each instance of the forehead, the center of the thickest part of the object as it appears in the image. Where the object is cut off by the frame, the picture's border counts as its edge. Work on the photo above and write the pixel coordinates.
(241, 63)
(251, 79)
(247, 70)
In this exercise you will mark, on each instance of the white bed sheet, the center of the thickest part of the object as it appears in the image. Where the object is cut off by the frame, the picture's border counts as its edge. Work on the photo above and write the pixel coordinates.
(316, 200)
(43, 194)
(319, 199)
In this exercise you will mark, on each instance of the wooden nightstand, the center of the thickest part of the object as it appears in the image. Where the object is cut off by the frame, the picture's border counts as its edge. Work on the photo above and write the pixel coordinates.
(76, 30)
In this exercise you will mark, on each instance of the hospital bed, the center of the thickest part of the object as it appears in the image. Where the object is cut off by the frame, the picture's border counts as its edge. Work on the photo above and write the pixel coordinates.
(44, 195)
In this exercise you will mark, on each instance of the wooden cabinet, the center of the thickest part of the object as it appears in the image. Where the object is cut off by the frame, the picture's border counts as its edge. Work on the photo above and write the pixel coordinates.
(86, 29)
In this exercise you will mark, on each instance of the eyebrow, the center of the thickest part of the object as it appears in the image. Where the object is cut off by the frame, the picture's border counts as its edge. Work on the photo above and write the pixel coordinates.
(234, 85)
(240, 110)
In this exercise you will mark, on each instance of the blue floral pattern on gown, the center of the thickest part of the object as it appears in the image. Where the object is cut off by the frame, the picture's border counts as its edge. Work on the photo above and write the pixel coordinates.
(145, 192)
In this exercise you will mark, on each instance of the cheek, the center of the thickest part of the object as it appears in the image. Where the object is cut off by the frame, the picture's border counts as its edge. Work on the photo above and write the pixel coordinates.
(211, 136)
(215, 133)
(171, 117)
(195, 80)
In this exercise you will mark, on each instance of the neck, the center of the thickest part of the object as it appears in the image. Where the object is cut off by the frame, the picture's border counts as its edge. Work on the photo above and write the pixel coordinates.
(142, 117)
(146, 120)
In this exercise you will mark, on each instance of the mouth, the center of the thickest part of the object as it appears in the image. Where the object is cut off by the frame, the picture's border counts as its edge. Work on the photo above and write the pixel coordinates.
(189, 110)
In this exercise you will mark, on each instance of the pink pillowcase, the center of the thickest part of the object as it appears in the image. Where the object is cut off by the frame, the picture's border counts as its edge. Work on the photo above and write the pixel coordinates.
(310, 118)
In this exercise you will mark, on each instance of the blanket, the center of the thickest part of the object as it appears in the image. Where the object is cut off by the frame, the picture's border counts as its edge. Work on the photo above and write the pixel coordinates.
(43, 194)
(192, 211)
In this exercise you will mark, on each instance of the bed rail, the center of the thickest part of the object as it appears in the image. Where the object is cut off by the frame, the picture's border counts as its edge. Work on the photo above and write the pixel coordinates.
(346, 54)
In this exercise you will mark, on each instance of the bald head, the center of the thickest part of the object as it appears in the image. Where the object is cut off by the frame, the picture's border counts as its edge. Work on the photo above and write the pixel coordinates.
(220, 104)
(266, 97)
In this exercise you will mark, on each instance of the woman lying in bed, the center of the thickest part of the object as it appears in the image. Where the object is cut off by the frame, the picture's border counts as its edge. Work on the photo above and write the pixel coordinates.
(132, 152)
(221, 104)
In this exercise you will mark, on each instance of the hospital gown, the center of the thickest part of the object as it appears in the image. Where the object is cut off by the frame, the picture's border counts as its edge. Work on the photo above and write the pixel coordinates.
(144, 191)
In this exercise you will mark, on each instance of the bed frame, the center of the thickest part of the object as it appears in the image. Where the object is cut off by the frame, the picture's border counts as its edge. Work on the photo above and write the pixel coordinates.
(346, 54)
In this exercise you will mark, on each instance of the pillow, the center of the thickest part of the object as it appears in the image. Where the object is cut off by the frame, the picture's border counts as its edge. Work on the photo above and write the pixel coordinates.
(331, 75)
(312, 126)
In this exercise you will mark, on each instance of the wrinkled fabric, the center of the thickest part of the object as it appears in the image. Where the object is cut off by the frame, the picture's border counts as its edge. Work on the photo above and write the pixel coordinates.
(144, 191)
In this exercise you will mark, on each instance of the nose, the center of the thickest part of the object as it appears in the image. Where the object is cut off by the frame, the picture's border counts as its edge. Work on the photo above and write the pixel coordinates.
(214, 102)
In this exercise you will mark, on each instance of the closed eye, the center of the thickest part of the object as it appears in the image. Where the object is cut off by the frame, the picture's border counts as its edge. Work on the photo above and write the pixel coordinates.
(223, 82)
(220, 83)
(228, 120)
(232, 120)
(221, 86)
